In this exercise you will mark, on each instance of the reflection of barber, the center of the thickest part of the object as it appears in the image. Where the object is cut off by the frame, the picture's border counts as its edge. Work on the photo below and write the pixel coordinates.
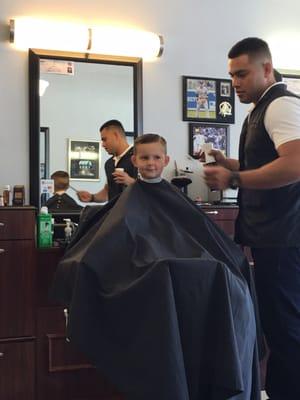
(114, 142)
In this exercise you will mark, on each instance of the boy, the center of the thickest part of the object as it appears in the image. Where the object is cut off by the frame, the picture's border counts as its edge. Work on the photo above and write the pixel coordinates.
(158, 294)
(150, 157)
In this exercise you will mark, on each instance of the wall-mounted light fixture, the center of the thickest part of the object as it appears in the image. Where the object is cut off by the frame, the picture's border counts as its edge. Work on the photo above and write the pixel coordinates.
(51, 35)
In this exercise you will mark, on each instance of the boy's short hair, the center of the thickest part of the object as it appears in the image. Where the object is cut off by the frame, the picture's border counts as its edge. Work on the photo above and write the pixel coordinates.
(149, 138)
(113, 123)
(61, 180)
(252, 46)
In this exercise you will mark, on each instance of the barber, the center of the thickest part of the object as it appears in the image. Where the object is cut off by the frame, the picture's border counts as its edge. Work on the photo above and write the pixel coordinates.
(268, 177)
(119, 169)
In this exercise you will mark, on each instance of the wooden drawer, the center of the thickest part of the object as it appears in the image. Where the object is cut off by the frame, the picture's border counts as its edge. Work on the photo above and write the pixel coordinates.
(17, 288)
(224, 217)
(63, 373)
(221, 214)
(17, 369)
(17, 223)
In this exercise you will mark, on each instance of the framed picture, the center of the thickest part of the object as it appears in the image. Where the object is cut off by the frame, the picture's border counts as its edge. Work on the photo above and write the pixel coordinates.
(84, 160)
(202, 134)
(208, 100)
(292, 82)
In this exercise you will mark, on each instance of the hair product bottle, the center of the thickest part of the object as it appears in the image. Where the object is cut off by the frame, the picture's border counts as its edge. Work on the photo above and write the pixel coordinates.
(44, 231)
(6, 195)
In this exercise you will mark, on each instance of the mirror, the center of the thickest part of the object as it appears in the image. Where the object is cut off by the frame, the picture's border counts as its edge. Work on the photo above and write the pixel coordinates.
(80, 93)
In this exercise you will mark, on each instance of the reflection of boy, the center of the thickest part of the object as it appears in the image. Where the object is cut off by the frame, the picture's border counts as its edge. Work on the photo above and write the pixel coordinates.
(61, 200)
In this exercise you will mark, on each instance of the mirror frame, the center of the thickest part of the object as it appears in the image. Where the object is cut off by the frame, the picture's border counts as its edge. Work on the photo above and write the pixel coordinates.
(35, 55)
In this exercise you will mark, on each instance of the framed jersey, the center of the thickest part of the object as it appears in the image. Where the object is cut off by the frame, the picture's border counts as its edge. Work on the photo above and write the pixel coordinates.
(208, 100)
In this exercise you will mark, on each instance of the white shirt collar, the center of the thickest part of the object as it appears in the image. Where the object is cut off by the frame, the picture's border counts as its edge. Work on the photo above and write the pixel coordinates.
(152, 180)
(118, 158)
(264, 93)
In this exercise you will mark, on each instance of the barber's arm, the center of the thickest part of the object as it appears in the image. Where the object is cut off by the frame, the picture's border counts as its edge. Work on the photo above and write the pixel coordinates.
(280, 172)
(221, 160)
(123, 178)
(98, 197)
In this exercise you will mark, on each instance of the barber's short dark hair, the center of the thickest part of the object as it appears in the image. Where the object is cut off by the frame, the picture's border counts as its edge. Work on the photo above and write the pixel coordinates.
(251, 46)
(113, 123)
(150, 138)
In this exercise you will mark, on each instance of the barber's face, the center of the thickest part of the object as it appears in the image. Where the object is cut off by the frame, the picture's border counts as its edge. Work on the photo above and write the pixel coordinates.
(249, 77)
(109, 140)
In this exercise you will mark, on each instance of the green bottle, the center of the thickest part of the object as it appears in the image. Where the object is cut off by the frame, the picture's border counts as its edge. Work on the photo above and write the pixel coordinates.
(44, 225)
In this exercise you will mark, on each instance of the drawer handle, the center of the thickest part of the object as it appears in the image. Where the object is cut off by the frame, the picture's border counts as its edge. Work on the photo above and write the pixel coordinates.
(215, 212)
(2, 224)
(1, 355)
(66, 314)
(2, 251)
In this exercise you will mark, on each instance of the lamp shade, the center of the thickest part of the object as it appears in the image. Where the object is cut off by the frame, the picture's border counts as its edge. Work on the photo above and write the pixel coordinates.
(50, 35)
(109, 40)
(127, 42)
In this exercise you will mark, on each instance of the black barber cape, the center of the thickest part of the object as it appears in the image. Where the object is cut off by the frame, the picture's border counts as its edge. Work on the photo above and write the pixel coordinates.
(158, 299)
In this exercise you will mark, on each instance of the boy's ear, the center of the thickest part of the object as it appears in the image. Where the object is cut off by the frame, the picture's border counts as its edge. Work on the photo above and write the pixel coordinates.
(133, 160)
(167, 159)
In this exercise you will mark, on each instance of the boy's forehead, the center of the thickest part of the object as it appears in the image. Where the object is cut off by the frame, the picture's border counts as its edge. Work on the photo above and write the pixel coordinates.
(147, 147)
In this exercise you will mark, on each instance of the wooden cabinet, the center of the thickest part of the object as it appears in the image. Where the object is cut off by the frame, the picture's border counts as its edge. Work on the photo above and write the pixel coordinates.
(17, 303)
(17, 370)
(62, 372)
(223, 216)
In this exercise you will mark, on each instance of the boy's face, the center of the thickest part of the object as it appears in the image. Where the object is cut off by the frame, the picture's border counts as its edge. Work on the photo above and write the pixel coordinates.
(150, 159)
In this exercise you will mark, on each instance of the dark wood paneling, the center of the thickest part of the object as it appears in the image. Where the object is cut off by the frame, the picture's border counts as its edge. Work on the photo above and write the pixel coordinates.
(17, 288)
(17, 371)
(16, 224)
(47, 261)
(223, 217)
(58, 374)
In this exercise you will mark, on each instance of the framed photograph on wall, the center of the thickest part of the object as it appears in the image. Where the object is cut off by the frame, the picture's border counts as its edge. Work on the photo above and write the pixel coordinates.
(208, 100)
(292, 82)
(202, 133)
(84, 160)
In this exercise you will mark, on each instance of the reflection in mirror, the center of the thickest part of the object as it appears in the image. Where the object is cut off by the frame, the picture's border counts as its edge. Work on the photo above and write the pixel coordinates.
(73, 97)
(44, 153)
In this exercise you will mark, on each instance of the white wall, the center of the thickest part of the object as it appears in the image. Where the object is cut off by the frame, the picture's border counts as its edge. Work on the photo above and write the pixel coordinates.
(197, 34)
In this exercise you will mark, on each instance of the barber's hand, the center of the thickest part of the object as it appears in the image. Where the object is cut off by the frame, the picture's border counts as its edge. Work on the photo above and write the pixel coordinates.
(84, 196)
(122, 178)
(217, 177)
(219, 157)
